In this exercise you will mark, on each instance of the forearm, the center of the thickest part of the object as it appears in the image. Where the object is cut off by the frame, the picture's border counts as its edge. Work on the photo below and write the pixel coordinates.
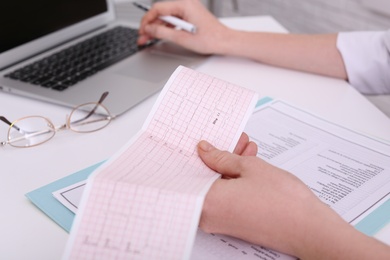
(315, 231)
(345, 244)
(310, 53)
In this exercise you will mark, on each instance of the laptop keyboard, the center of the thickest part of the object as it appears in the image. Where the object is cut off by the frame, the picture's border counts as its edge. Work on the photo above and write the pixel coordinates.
(69, 66)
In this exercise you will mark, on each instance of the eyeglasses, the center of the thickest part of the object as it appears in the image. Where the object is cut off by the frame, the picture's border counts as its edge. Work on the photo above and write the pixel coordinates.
(31, 131)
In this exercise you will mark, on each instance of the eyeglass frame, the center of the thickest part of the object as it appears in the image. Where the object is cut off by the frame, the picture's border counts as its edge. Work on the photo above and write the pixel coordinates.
(65, 126)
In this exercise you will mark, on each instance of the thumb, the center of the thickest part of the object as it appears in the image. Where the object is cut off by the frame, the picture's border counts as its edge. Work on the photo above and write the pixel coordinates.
(223, 162)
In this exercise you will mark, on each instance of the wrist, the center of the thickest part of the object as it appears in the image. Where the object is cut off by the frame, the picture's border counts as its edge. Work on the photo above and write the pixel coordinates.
(224, 42)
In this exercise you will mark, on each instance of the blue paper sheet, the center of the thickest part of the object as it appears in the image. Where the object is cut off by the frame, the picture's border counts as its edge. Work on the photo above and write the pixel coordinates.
(46, 202)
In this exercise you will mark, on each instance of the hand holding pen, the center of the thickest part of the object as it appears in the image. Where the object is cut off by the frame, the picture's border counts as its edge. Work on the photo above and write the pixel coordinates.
(199, 29)
(177, 22)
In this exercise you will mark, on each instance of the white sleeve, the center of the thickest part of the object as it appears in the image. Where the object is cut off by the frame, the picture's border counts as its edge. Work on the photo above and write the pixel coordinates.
(367, 60)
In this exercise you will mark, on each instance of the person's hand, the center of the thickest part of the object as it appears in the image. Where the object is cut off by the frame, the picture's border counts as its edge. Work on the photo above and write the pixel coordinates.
(265, 205)
(210, 32)
(253, 198)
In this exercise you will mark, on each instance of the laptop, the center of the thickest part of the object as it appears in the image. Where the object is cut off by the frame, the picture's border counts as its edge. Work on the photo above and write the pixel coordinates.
(48, 52)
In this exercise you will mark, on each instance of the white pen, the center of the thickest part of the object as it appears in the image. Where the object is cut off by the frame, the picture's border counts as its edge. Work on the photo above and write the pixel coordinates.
(179, 23)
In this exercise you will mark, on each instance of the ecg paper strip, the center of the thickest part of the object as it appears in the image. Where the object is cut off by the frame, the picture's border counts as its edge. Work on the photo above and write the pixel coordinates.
(146, 201)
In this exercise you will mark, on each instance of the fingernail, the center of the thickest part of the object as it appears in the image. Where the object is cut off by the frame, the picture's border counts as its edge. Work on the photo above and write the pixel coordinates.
(205, 146)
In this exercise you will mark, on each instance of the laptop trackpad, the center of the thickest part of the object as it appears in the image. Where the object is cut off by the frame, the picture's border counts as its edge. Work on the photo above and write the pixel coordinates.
(152, 67)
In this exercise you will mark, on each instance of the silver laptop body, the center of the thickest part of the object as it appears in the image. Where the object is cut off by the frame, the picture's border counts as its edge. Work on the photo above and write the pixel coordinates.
(128, 81)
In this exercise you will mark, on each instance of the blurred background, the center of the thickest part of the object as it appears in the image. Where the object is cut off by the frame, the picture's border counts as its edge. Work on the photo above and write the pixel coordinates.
(298, 16)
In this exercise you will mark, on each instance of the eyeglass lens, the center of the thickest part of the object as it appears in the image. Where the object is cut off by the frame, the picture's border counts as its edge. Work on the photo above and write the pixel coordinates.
(30, 131)
(88, 118)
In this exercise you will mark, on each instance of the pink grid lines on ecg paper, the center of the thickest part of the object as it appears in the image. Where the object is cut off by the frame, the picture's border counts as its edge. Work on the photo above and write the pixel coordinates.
(146, 203)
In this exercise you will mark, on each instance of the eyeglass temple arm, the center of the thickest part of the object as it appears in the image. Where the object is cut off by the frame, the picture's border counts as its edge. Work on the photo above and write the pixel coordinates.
(5, 120)
(102, 98)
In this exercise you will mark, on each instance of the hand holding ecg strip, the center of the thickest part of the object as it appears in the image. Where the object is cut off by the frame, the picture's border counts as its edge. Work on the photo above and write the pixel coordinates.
(145, 202)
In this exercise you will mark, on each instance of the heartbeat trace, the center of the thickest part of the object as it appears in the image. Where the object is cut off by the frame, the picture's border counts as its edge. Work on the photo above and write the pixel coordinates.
(145, 202)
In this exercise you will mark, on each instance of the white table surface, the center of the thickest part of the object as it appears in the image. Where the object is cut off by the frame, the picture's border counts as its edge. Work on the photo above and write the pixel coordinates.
(27, 233)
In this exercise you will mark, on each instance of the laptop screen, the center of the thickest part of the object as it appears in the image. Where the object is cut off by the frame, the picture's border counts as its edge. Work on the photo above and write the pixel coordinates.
(25, 20)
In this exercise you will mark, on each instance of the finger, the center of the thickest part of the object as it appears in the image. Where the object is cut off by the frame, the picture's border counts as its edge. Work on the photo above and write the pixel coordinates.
(168, 33)
(242, 143)
(143, 39)
(158, 9)
(222, 162)
(174, 8)
(250, 149)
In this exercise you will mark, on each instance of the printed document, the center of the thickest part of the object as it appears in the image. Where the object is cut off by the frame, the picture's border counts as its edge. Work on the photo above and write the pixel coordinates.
(348, 171)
